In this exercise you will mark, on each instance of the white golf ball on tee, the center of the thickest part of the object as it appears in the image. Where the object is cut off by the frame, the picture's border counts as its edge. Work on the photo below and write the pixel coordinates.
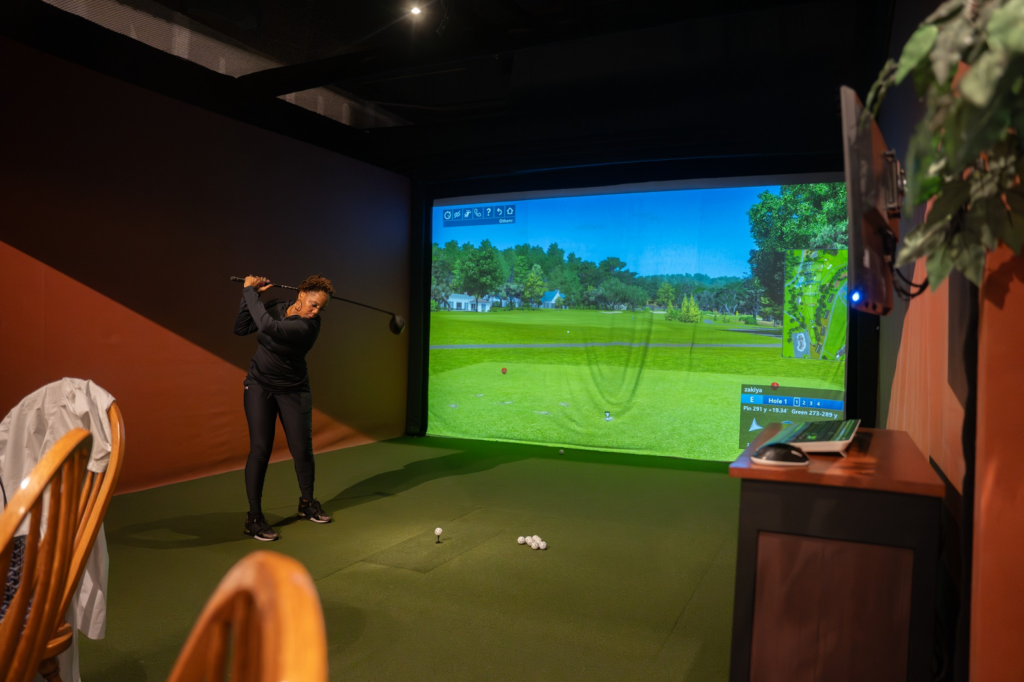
(437, 532)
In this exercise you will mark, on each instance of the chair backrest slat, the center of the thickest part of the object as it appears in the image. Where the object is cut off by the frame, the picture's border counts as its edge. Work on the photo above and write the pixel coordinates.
(96, 501)
(266, 598)
(87, 488)
(31, 616)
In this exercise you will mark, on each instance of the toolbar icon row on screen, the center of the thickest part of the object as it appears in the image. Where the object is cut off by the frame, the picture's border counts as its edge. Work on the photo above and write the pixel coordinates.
(479, 213)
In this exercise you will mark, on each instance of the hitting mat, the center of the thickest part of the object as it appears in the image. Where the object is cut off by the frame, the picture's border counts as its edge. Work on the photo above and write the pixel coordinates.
(636, 583)
(426, 551)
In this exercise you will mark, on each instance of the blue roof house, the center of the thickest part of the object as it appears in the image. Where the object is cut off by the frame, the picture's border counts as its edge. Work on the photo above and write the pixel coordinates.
(552, 299)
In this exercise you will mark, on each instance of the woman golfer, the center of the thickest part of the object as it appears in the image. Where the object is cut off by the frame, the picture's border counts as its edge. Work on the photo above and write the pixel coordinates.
(278, 385)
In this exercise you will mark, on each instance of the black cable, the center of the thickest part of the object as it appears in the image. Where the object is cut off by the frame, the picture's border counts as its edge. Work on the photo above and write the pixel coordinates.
(4, 491)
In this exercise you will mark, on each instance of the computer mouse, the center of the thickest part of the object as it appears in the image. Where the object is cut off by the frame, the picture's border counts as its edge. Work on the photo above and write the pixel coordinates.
(780, 455)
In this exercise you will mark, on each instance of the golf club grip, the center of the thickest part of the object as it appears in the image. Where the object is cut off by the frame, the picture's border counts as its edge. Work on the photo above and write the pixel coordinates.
(280, 286)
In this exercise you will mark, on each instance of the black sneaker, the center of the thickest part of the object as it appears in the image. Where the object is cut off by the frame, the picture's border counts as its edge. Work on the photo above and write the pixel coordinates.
(258, 528)
(311, 509)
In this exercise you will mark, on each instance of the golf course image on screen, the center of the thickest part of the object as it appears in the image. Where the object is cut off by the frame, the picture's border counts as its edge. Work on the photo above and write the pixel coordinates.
(633, 321)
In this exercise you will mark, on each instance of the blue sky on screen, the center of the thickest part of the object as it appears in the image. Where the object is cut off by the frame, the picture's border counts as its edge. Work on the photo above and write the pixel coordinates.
(655, 233)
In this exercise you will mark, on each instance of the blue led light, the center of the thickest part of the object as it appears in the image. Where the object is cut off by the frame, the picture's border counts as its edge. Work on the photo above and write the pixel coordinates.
(855, 296)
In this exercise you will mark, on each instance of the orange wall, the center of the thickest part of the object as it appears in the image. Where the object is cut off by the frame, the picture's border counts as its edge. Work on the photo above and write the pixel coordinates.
(997, 621)
(922, 403)
(181, 403)
(124, 213)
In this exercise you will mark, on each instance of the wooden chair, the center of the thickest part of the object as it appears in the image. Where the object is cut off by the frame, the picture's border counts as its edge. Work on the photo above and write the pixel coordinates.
(268, 606)
(36, 606)
(92, 508)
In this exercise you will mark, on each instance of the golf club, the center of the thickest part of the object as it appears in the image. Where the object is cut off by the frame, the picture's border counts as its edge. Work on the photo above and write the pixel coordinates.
(396, 325)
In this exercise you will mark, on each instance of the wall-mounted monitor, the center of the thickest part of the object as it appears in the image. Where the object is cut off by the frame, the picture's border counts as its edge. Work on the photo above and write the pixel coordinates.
(673, 319)
(874, 185)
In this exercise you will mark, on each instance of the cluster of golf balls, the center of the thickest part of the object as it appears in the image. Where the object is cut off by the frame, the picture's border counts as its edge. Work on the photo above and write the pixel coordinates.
(533, 541)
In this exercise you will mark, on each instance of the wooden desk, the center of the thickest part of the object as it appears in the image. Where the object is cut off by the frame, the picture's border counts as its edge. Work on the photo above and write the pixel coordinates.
(836, 565)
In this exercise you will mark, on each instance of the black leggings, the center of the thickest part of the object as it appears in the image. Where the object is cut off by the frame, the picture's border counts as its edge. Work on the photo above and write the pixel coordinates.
(261, 411)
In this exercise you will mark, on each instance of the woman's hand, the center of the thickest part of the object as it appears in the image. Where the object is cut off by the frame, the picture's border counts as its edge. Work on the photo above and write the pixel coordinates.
(260, 283)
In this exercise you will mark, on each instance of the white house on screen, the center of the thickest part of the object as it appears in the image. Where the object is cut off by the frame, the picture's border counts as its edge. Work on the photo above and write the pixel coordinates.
(552, 299)
(467, 303)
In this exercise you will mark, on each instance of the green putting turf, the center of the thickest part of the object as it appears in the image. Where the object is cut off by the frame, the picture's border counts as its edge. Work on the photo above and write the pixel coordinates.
(636, 585)
(679, 401)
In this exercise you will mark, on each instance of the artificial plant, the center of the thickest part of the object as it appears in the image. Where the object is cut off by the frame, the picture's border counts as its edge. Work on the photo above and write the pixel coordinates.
(967, 151)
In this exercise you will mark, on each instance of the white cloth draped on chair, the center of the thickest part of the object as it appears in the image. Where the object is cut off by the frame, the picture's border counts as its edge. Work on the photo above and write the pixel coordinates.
(26, 434)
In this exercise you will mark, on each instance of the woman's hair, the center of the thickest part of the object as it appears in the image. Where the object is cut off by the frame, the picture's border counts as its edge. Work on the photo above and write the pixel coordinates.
(317, 283)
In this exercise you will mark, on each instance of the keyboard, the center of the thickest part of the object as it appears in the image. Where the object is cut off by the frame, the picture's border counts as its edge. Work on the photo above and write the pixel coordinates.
(825, 436)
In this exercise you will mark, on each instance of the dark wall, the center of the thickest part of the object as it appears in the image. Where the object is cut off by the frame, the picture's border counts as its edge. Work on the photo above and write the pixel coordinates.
(152, 204)
(899, 115)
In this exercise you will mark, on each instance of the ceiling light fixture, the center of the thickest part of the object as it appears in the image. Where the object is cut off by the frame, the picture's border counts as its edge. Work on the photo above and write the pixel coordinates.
(415, 10)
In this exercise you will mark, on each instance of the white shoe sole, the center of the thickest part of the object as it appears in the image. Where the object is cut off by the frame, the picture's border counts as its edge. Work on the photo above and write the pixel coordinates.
(261, 539)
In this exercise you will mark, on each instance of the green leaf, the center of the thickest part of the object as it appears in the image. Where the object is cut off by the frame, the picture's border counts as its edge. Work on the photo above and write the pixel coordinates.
(956, 37)
(938, 265)
(980, 83)
(983, 185)
(922, 184)
(970, 260)
(953, 197)
(984, 223)
(919, 45)
(920, 241)
(1006, 27)
(972, 130)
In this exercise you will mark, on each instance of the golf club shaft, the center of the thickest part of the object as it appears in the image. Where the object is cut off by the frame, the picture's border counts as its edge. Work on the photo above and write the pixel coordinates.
(339, 298)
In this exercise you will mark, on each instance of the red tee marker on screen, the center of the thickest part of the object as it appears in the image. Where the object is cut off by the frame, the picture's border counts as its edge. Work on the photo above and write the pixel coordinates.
(775, 385)
(503, 370)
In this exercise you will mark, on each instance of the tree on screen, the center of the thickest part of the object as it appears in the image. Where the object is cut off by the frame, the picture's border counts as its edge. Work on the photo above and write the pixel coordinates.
(798, 217)
(636, 297)
(689, 311)
(753, 296)
(480, 271)
(510, 292)
(666, 294)
(533, 288)
(442, 274)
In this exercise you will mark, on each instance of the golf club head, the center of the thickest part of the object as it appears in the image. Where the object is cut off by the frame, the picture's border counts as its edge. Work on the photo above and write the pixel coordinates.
(397, 324)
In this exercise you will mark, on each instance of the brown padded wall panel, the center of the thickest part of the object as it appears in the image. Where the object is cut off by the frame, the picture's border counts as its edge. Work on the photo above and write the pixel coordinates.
(923, 403)
(997, 621)
(153, 204)
(182, 404)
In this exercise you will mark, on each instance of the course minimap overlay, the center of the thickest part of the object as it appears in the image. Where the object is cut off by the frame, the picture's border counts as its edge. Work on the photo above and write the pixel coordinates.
(814, 322)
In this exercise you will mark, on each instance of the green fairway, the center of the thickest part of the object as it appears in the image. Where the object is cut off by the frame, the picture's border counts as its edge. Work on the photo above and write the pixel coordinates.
(581, 326)
(835, 341)
(679, 400)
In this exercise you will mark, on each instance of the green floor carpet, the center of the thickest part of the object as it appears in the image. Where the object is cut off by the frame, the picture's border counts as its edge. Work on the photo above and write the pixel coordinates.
(636, 585)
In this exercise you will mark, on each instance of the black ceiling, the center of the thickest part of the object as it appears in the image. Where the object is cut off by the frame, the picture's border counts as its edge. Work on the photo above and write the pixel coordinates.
(513, 86)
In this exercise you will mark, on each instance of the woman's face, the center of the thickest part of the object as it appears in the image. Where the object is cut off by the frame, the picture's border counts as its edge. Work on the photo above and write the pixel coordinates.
(311, 303)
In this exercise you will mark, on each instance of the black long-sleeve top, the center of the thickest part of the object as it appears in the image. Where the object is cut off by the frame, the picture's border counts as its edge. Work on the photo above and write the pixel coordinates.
(279, 365)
